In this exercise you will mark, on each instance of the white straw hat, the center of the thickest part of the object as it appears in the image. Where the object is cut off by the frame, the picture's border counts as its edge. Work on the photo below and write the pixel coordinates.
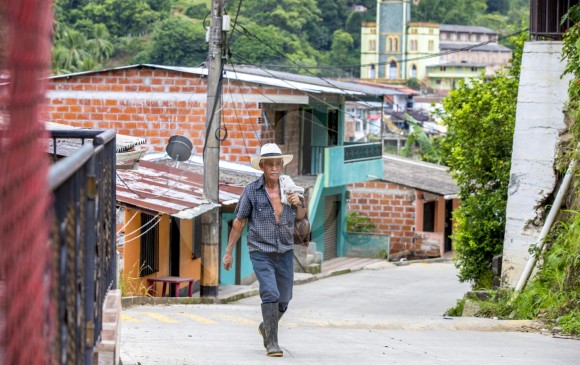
(270, 150)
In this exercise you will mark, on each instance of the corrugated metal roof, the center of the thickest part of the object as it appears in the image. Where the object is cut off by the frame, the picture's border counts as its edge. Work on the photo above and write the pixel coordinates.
(424, 176)
(465, 28)
(488, 47)
(166, 189)
(66, 146)
(259, 76)
(374, 90)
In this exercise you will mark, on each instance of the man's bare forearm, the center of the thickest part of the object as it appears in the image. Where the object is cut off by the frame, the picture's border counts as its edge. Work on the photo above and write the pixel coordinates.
(235, 234)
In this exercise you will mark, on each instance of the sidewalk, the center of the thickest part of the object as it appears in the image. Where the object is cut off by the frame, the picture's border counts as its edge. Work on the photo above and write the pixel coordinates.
(232, 293)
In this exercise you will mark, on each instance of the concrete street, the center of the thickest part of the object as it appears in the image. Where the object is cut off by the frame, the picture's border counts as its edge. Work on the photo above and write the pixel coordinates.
(386, 315)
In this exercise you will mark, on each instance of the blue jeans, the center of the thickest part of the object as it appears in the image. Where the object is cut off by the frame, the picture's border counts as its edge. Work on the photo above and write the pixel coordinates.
(275, 273)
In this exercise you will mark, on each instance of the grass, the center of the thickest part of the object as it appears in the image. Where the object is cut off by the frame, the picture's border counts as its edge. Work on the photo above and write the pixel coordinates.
(553, 294)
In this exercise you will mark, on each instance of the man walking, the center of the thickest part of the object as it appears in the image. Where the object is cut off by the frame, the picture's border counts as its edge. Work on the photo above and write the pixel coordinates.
(270, 211)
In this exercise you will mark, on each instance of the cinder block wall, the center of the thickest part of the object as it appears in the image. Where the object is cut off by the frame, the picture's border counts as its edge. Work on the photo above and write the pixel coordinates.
(155, 104)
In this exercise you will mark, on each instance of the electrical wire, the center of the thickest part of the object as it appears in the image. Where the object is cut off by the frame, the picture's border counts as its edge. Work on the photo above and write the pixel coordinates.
(159, 217)
(238, 119)
(445, 53)
(126, 223)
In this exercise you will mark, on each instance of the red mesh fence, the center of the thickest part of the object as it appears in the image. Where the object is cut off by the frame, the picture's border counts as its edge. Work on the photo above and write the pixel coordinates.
(25, 45)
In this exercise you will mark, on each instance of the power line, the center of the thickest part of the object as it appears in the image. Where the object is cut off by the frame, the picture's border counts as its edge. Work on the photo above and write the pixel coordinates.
(445, 53)
(309, 94)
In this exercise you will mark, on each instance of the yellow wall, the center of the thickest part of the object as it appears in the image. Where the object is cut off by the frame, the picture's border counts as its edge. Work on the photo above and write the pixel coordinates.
(188, 267)
(131, 281)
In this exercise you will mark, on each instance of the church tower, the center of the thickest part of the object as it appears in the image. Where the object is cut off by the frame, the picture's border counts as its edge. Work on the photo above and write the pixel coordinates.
(393, 17)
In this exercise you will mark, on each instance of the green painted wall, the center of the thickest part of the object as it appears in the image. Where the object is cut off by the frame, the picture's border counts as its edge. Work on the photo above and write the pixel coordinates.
(338, 173)
(316, 214)
(229, 277)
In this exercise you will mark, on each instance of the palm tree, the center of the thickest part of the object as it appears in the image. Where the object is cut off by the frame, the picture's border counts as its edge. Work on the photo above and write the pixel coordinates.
(99, 46)
(70, 52)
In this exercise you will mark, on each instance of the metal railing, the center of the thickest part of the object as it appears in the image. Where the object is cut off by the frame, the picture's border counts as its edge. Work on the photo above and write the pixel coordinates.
(83, 241)
(362, 152)
(546, 17)
(353, 152)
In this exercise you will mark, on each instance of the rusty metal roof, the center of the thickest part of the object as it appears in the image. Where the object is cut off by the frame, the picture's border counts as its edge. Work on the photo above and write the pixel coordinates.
(166, 189)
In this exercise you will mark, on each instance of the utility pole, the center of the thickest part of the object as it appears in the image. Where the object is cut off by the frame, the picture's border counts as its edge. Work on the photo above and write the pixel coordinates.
(211, 156)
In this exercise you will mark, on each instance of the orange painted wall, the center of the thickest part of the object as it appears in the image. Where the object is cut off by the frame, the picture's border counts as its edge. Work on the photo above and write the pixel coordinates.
(133, 284)
(188, 267)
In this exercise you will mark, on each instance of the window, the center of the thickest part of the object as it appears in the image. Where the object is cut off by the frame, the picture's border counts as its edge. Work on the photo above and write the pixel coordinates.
(429, 216)
(413, 71)
(413, 45)
(442, 68)
(393, 43)
(392, 72)
(431, 46)
(372, 45)
(438, 82)
(149, 257)
(280, 127)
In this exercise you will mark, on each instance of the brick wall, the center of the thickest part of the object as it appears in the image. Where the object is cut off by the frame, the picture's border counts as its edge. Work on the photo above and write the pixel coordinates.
(155, 104)
(391, 207)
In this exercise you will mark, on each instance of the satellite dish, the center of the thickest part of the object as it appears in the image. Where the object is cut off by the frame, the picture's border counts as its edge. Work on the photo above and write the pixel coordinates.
(179, 148)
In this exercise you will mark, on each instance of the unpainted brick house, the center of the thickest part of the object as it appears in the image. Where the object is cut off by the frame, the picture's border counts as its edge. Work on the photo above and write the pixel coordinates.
(412, 204)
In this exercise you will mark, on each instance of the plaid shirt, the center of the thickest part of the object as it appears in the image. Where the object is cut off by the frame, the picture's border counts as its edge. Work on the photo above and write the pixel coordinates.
(264, 234)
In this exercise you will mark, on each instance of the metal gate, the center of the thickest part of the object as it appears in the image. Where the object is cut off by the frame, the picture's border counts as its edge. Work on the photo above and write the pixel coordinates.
(331, 208)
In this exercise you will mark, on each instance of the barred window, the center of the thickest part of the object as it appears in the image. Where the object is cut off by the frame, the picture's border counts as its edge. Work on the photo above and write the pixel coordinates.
(149, 258)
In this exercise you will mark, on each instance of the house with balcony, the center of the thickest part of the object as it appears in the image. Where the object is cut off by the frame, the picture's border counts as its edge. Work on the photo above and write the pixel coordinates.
(303, 115)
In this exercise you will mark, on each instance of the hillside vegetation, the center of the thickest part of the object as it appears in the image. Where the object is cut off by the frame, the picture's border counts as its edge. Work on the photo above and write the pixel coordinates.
(303, 36)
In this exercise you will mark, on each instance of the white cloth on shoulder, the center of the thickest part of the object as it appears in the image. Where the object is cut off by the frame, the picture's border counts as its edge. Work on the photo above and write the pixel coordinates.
(287, 186)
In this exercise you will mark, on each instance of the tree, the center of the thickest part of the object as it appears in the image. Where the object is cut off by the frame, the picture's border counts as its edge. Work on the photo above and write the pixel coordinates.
(70, 52)
(353, 26)
(289, 15)
(480, 118)
(448, 11)
(99, 45)
(342, 51)
(123, 17)
(176, 41)
(500, 6)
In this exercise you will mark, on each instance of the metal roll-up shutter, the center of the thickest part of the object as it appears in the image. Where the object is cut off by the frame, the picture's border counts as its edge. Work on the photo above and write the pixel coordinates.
(331, 208)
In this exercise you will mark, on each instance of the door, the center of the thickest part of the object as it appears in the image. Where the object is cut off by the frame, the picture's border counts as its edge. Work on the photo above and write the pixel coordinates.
(331, 209)
(174, 251)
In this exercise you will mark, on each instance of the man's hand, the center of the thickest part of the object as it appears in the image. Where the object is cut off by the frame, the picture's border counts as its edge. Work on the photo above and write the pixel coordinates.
(294, 199)
(227, 261)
